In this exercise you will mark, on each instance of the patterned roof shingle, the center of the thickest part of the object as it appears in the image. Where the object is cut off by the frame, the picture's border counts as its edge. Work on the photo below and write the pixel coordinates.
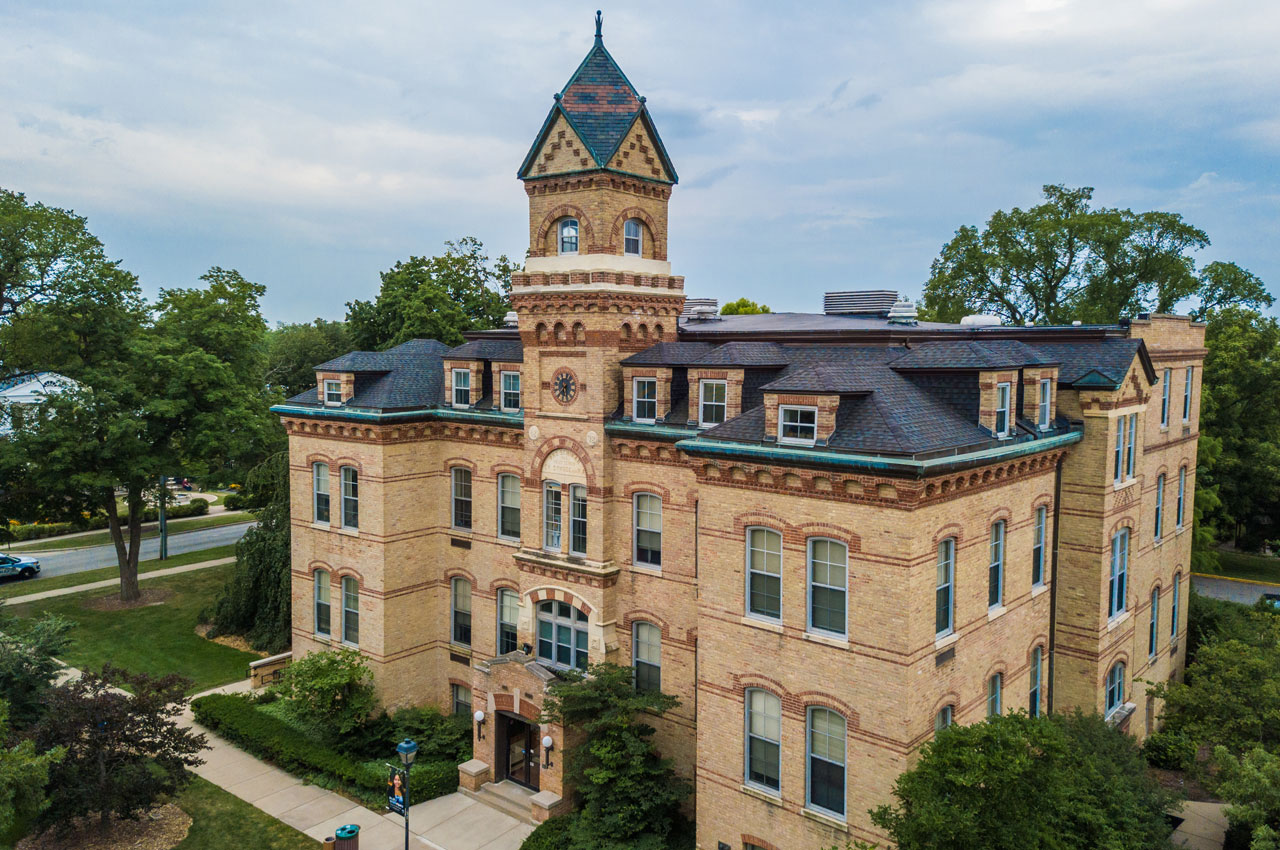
(972, 354)
(502, 350)
(408, 376)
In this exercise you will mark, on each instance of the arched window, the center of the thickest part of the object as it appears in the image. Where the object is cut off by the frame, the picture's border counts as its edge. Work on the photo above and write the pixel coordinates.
(1159, 506)
(764, 740)
(646, 656)
(764, 573)
(320, 491)
(568, 236)
(648, 529)
(1182, 496)
(461, 611)
(350, 497)
(350, 611)
(1152, 630)
(1037, 656)
(461, 479)
(944, 606)
(508, 617)
(1173, 612)
(1119, 573)
(1115, 687)
(509, 506)
(577, 520)
(1037, 548)
(944, 718)
(826, 761)
(995, 571)
(995, 685)
(562, 635)
(632, 235)
(322, 603)
(828, 581)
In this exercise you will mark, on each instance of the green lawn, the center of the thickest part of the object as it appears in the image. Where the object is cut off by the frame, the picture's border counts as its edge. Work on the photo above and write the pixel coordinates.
(222, 821)
(20, 587)
(156, 639)
(1249, 567)
(101, 538)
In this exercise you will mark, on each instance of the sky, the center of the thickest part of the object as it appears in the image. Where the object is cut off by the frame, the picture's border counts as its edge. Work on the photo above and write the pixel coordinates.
(820, 146)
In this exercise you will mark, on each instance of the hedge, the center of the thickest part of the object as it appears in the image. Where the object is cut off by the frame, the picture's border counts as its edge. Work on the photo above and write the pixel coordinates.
(241, 722)
(551, 834)
(41, 530)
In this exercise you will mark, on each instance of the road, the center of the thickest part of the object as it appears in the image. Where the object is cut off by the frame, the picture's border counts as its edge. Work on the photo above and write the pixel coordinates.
(79, 560)
(1233, 591)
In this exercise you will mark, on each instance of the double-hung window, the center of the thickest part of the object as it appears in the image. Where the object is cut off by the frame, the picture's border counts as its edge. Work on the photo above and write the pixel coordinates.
(646, 656)
(797, 425)
(828, 582)
(1003, 396)
(1159, 528)
(1182, 496)
(1154, 629)
(764, 573)
(994, 687)
(944, 616)
(631, 237)
(460, 598)
(551, 516)
(461, 497)
(350, 497)
(712, 405)
(461, 700)
(569, 236)
(1166, 380)
(1046, 399)
(995, 568)
(1121, 425)
(644, 399)
(577, 520)
(332, 393)
(562, 635)
(1037, 655)
(322, 603)
(508, 617)
(826, 761)
(1037, 547)
(1186, 396)
(510, 391)
(509, 506)
(1132, 450)
(1119, 573)
(944, 717)
(1173, 608)
(320, 492)
(764, 740)
(1126, 447)
(461, 387)
(648, 530)
(350, 611)
(1115, 688)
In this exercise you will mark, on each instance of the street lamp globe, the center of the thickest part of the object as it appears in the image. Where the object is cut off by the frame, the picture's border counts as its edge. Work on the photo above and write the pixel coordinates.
(407, 750)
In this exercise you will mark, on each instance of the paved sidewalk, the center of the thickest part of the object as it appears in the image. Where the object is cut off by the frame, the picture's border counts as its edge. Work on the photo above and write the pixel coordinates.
(1204, 826)
(114, 582)
(1231, 589)
(175, 527)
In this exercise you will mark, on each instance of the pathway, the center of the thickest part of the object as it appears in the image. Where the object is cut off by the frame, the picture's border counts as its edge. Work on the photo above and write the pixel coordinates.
(114, 582)
(54, 563)
(1203, 827)
(1231, 589)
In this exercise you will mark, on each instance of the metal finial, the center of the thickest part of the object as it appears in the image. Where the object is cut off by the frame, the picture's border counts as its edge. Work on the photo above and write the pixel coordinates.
(599, 23)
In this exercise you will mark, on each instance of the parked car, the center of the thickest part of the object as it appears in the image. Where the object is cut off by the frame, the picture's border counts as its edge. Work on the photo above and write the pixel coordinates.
(1272, 599)
(22, 566)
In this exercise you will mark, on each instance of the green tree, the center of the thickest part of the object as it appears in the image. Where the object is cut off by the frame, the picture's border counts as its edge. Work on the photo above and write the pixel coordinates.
(29, 664)
(294, 351)
(1058, 783)
(1063, 260)
(628, 796)
(1251, 784)
(742, 307)
(333, 688)
(24, 772)
(434, 298)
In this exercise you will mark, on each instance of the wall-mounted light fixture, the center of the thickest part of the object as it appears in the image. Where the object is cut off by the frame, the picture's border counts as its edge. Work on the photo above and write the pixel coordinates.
(480, 725)
(547, 744)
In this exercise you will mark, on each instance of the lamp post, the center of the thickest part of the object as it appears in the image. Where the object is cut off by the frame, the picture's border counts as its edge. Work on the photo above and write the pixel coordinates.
(407, 750)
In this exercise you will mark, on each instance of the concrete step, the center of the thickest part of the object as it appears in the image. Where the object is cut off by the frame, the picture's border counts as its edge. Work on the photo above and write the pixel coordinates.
(506, 797)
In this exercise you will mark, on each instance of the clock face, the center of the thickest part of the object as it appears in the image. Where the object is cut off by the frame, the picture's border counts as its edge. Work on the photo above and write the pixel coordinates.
(564, 386)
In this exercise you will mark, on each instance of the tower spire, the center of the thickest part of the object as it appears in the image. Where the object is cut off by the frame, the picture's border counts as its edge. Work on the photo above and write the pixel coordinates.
(599, 25)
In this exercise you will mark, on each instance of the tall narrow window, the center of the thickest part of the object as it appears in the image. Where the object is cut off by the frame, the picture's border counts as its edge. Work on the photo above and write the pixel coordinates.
(461, 608)
(1119, 572)
(1132, 449)
(944, 613)
(1037, 547)
(551, 516)
(764, 739)
(562, 635)
(711, 410)
(510, 391)
(1037, 655)
(569, 236)
(764, 573)
(1166, 380)
(1121, 424)
(648, 529)
(1115, 687)
(1002, 409)
(350, 497)
(508, 617)
(320, 490)
(350, 611)
(646, 656)
(1186, 396)
(994, 686)
(509, 506)
(944, 717)
(461, 387)
(461, 700)
(1159, 529)
(332, 393)
(828, 581)
(631, 236)
(644, 401)
(1046, 401)
(826, 756)
(798, 425)
(461, 497)
(1154, 630)
(995, 570)
(578, 520)
(1173, 608)
(1182, 495)
(322, 603)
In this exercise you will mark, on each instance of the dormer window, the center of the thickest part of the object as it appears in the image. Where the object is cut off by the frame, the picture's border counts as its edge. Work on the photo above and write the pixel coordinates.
(461, 387)
(569, 236)
(332, 393)
(711, 410)
(631, 237)
(510, 391)
(1003, 394)
(644, 402)
(1046, 394)
(797, 425)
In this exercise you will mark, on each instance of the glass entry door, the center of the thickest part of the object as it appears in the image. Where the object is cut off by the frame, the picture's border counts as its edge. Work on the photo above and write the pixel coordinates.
(521, 751)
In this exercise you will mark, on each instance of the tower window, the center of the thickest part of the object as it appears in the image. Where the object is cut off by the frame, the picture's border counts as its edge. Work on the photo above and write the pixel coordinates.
(569, 236)
(631, 237)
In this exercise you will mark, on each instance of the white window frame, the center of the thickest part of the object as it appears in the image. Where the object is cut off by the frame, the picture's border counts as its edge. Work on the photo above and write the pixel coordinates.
(503, 505)
(995, 695)
(1131, 455)
(457, 612)
(812, 583)
(635, 400)
(350, 613)
(463, 385)
(319, 478)
(1036, 672)
(1186, 394)
(322, 595)
(646, 650)
(946, 583)
(1153, 631)
(577, 518)
(703, 403)
(552, 529)
(783, 410)
(1004, 401)
(995, 565)
(768, 719)
(1166, 379)
(811, 734)
(1039, 541)
(350, 495)
(505, 594)
(1159, 525)
(548, 611)
(1117, 585)
(636, 528)
(457, 497)
(564, 225)
(1115, 687)
(752, 571)
(1122, 426)
(1182, 497)
(638, 237)
(332, 388)
(503, 391)
(1046, 399)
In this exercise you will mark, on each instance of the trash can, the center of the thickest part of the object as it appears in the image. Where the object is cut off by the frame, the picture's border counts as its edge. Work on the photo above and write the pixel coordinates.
(328, 843)
(348, 837)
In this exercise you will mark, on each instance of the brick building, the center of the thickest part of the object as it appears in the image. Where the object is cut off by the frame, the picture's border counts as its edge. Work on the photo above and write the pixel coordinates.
(827, 534)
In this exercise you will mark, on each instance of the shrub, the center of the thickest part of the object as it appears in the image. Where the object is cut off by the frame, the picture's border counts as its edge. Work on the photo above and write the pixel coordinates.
(1170, 750)
(235, 501)
(335, 687)
(97, 522)
(551, 834)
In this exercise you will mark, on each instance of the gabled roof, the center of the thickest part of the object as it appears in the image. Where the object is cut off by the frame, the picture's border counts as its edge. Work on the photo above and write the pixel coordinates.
(407, 376)
(502, 350)
(669, 354)
(1100, 363)
(971, 354)
(841, 378)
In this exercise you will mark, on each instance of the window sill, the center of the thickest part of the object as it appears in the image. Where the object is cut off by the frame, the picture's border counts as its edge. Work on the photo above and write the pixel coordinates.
(461, 407)
(825, 819)
(1037, 589)
(460, 648)
(827, 640)
(348, 531)
(998, 611)
(804, 443)
(768, 797)
(453, 529)
(349, 645)
(765, 625)
(945, 641)
(1117, 620)
(510, 541)
(1118, 486)
(323, 637)
(322, 526)
(646, 568)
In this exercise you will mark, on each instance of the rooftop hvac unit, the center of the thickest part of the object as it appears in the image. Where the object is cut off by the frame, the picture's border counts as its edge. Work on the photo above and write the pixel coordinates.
(695, 306)
(981, 320)
(869, 302)
(903, 313)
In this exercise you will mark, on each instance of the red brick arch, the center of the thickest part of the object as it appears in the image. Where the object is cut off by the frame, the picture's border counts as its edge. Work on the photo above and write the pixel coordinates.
(615, 232)
(526, 709)
(573, 446)
(585, 237)
(544, 594)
